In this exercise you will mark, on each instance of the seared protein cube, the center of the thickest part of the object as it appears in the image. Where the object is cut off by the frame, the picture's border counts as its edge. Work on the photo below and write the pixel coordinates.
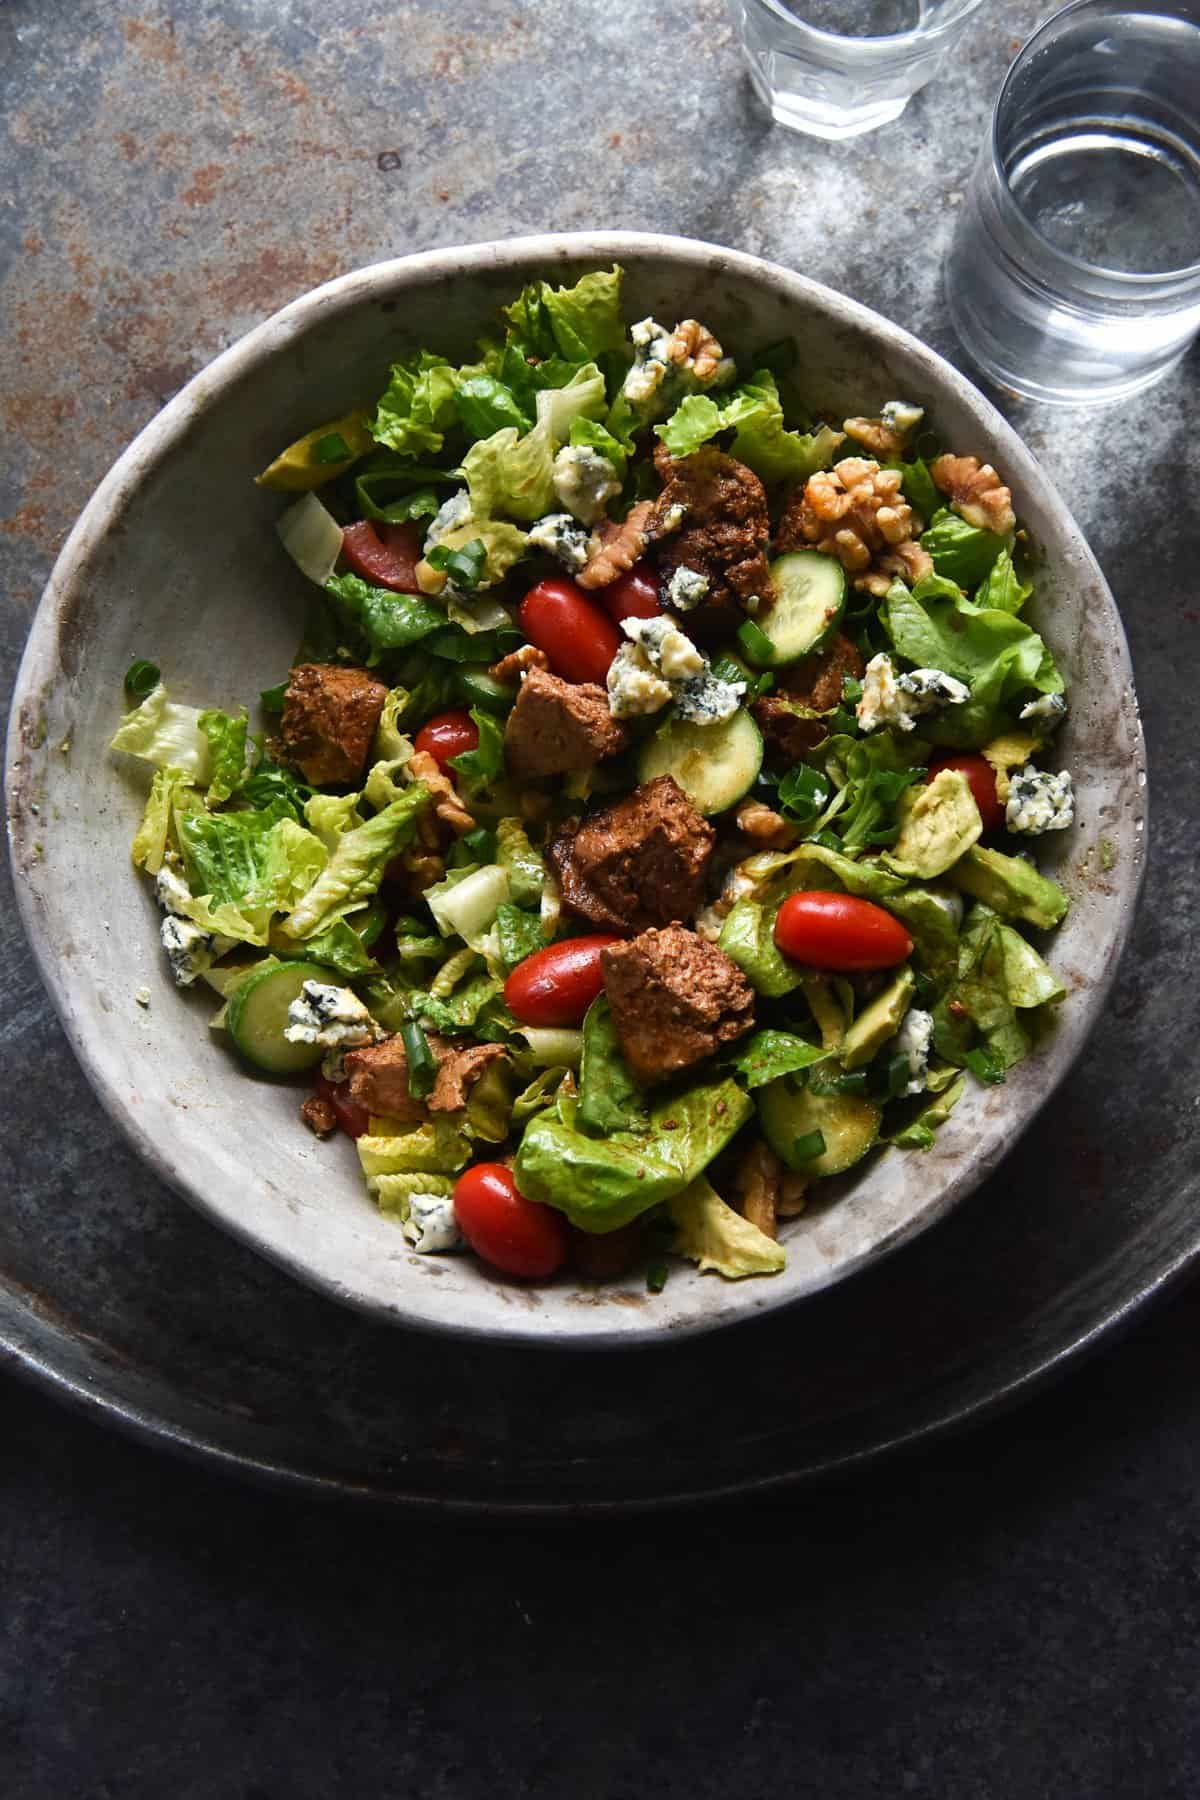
(378, 1077)
(641, 862)
(813, 685)
(329, 719)
(459, 1068)
(675, 1000)
(557, 727)
(724, 532)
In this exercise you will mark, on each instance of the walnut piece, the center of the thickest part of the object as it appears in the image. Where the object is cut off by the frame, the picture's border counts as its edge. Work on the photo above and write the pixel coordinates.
(757, 1184)
(318, 1115)
(764, 826)
(446, 803)
(792, 1189)
(908, 561)
(875, 435)
(854, 511)
(618, 546)
(510, 668)
(693, 346)
(976, 492)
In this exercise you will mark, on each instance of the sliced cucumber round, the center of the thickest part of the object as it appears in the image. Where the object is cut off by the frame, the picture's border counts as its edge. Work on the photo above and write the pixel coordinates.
(810, 597)
(478, 688)
(849, 1124)
(257, 1013)
(715, 765)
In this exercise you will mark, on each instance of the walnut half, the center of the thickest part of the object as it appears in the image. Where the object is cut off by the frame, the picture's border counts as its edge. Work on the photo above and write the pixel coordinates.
(976, 492)
(857, 512)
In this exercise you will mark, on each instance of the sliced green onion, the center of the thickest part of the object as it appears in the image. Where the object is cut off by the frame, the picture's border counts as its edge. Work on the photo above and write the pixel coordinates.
(656, 1277)
(810, 1145)
(422, 1064)
(271, 699)
(755, 643)
(332, 448)
(141, 678)
(464, 566)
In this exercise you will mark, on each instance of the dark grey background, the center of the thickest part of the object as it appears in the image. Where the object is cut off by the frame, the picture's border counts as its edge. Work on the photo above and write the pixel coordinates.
(1010, 1613)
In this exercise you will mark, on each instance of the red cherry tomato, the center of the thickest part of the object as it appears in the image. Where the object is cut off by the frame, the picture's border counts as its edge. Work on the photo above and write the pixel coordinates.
(447, 734)
(633, 595)
(840, 931)
(555, 986)
(351, 1115)
(579, 639)
(504, 1228)
(982, 778)
(386, 554)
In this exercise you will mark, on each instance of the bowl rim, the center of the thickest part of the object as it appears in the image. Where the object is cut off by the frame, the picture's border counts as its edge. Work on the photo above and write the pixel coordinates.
(166, 430)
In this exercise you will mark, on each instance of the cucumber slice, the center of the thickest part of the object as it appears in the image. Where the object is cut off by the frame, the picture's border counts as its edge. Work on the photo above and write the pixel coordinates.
(257, 1014)
(715, 765)
(478, 688)
(810, 591)
(849, 1123)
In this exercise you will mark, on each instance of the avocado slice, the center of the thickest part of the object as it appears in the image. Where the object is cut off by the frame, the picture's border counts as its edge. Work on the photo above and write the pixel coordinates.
(878, 1022)
(940, 825)
(298, 468)
(1010, 886)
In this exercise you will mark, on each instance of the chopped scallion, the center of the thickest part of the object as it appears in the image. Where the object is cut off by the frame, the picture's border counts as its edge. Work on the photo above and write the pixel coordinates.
(810, 1145)
(141, 678)
(422, 1064)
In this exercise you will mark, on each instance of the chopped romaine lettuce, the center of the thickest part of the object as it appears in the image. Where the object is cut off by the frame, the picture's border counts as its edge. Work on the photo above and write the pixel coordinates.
(227, 752)
(417, 407)
(356, 867)
(609, 1097)
(168, 735)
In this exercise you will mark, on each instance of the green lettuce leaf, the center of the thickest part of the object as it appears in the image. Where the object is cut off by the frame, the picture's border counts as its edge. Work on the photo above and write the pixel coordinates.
(388, 621)
(761, 441)
(418, 405)
(580, 399)
(511, 475)
(918, 1133)
(588, 434)
(983, 991)
(609, 1098)
(541, 1093)
(268, 781)
(331, 816)
(518, 934)
(770, 1053)
(340, 948)
(961, 552)
(579, 323)
(480, 769)
(437, 1148)
(356, 867)
(715, 1237)
(694, 421)
(168, 735)
(170, 791)
(227, 753)
(603, 1183)
(244, 866)
(1003, 588)
(486, 404)
(522, 863)
(460, 1010)
(747, 938)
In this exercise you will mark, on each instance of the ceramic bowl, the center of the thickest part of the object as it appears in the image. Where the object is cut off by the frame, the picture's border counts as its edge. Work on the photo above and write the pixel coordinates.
(175, 558)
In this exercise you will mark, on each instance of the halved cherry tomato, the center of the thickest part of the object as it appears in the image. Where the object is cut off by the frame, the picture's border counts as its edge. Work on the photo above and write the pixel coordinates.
(579, 639)
(447, 734)
(555, 986)
(387, 554)
(633, 595)
(351, 1115)
(840, 931)
(504, 1228)
(982, 778)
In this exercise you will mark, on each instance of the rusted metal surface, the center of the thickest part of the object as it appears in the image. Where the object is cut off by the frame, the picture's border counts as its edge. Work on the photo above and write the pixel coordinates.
(175, 174)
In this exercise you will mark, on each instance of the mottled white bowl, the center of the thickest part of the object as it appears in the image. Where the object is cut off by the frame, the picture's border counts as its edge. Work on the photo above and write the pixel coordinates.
(175, 558)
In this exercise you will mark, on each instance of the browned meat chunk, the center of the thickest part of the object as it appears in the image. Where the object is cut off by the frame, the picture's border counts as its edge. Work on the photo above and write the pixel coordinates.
(458, 1071)
(559, 726)
(329, 719)
(319, 1116)
(378, 1077)
(675, 1000)
(641, 862)
(815, 685)
(725, 529)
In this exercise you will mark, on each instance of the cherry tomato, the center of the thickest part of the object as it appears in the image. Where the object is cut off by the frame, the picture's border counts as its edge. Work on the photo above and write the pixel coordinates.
(447, 734)
(840, 931)
(579, 639)
(386, 554)
(555, 986)
(982, 778)
(633, 595)
(351, 1115)
(504, 1228)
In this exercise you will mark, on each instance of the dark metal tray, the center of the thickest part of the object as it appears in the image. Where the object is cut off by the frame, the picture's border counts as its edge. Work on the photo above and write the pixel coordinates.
(112, 1290)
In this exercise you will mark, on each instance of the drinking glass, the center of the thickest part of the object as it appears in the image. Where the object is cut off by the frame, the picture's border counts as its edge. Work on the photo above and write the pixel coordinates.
(1074, 274)
(835, 68)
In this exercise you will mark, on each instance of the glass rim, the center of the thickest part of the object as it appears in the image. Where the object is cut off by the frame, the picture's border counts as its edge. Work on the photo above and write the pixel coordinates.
(919, 34)
(1126, 277)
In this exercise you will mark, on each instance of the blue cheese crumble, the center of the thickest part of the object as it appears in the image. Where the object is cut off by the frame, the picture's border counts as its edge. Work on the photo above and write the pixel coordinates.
(912, 1042)
(584, 482)
(901, 416)
(687, 588)
(633, 686)
(562, 538)
(431, 1227)
(189, 949)
(170, 889)
(453, 512)
(899, 700)
(670, 651)
(707, 700)
(331, 1016)
(1039, 802)
(651, 365)
(1049, 710)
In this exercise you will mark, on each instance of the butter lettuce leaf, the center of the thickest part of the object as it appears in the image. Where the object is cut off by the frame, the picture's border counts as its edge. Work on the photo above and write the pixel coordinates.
(609, 1097)
(716, 1238)
(961, 552)
(1003, 588)
(388, 621)
(417, 407)
(755, 414)
(511, 475)
(579, 323)
(603, 1183)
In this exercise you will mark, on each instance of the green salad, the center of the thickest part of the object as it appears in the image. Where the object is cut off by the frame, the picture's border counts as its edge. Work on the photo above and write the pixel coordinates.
(641, 836)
